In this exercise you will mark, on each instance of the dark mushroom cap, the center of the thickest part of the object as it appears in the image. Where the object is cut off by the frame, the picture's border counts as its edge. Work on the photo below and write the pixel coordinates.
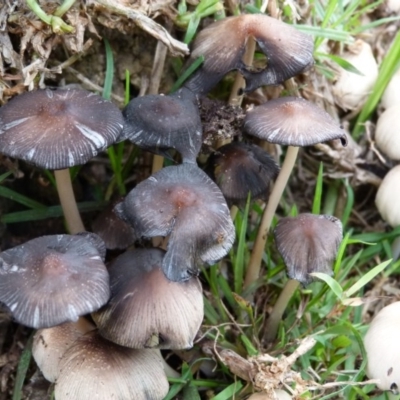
(50, 344)
(53, 279)
(181, 201)
(115, 233)
(94, 368)
(157, 123)
(292, 121)
(239, 169)
(223, 43)
(308, 243)
(56, 129)
(146, 309)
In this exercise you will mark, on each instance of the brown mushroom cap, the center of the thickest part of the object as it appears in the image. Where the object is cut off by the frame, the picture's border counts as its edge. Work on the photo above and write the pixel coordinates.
(308, 243)
(57, 129)
(239, 169)
(145, 308)
(115, 232)
(53, 279)
(181, 201)
(292, 121)
(50, 344)
(223, 43)
(94, 368)
(157, 123)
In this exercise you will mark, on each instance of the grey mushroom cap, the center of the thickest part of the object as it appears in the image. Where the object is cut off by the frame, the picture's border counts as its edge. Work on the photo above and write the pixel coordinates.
(183, 202)
(292, 121)
(53, 279)
(57, 129)
(240, 168)
(96, 368)
(158, 123)
(308, 243)
(146, 309)
(223, 43)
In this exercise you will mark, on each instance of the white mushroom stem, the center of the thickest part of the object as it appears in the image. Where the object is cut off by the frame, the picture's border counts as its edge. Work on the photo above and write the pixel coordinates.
(253, 269)
(68, 202)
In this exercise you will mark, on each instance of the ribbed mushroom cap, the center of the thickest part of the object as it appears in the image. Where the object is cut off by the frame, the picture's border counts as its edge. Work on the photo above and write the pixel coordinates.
(181, 201)
(308, 243)
(239, 168)
(115, 232)
(383, 348)
(94, 368)
(53, 279)
(50, 344)
(387, 197)
(223, 43)
(158, 123)
(57, 129)
(292, 121)
(146, 309)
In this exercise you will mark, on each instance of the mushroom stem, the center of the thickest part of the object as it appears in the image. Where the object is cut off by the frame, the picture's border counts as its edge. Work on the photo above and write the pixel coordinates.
(271, 328)
(253, 269)
(68, 202)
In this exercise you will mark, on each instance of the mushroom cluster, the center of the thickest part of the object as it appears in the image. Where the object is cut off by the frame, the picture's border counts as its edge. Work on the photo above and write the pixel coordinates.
(151, 298)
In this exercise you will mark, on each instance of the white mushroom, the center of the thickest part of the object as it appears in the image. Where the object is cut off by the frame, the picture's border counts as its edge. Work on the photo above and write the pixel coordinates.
(383, 348)
(387, 134)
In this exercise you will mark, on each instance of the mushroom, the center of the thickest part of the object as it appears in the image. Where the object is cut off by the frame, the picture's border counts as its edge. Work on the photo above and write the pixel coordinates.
(387, 133)
(49, 345)
(145, 308)
(239, 169)
(157, 123)
(57, 129)
(115, 232)
(291, 121)
(223, 44)
(183, 202)
(308, 243)
(96, 368)
(382, 346)
(387, 192)
(53, 279)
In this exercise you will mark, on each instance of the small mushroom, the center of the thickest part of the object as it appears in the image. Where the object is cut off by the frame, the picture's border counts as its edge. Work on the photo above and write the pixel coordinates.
(387, 133)
(96, 368)
(183, 202)
(292, 121)
(158, 123)
(223, 43)
(53, 279)
(388, 191)
(308, 243)
(145, 308)
(57, 129)
(49, 345)
(383, 350)
(239, 169)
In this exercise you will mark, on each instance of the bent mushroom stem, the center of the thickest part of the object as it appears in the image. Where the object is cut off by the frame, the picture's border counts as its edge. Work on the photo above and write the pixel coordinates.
(68, 202)
(271, 328)
(253, 269)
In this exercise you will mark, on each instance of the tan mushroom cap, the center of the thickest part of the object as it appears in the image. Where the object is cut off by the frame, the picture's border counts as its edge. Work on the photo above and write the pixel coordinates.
(292, 121)
(94, 368)
(383, 348)
(146, 309)
(50, 344)
(308, 243)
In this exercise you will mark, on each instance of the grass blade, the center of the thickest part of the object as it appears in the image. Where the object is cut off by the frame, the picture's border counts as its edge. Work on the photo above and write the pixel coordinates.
(19, 198)
(22, 369)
